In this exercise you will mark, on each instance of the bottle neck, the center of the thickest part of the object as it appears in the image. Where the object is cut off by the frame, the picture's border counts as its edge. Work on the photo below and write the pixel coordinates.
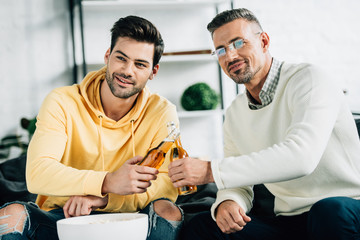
(178, 142)
(165, 146)
(173, 135)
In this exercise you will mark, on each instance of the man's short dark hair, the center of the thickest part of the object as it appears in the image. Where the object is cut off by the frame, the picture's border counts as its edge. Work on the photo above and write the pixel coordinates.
(231, 15)
(141, 30)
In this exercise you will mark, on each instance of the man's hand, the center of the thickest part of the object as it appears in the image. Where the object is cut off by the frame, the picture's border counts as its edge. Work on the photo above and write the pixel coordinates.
(190, 171)
(230, 217)
(83, 205)
(129, 178)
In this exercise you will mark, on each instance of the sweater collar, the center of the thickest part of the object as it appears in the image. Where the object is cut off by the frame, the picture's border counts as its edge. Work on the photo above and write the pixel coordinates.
(268, 90)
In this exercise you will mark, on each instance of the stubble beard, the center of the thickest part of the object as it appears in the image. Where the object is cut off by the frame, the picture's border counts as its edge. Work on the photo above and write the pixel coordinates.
(117, 90)
(242, 77)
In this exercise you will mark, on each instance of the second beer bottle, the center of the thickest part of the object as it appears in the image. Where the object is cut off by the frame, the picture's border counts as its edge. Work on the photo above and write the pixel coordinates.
(178, 152)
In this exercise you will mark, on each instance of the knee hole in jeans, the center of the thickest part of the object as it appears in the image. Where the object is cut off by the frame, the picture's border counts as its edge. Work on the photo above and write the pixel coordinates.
(167, 210)
(12, 218)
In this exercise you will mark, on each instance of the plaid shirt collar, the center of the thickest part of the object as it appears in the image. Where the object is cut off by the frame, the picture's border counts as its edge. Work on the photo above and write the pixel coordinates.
(268, 90)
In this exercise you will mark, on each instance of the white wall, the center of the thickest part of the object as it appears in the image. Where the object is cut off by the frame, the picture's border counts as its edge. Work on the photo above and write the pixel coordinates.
(34, 56)
(324, 32)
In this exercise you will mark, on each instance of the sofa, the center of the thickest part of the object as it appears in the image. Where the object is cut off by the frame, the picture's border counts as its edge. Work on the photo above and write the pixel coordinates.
(13, 187)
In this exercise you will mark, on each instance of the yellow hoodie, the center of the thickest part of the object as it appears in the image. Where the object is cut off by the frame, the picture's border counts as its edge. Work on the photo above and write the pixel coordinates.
(75, 145)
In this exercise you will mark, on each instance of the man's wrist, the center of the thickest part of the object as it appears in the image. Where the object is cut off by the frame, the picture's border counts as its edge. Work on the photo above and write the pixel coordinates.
(210, 177)
(105, 188)
(106, 201)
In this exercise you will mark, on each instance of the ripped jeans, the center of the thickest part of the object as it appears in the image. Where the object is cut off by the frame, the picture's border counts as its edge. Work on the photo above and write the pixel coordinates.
(41, 225)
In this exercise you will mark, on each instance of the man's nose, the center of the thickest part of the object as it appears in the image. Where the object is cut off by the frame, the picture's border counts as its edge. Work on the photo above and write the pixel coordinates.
(128, 69)
(230, 54)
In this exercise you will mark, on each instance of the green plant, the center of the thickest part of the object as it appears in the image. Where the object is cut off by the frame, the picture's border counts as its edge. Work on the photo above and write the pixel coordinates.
(199, 96)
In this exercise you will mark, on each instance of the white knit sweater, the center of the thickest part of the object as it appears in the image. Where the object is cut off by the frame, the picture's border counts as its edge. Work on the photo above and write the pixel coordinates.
(303, 146)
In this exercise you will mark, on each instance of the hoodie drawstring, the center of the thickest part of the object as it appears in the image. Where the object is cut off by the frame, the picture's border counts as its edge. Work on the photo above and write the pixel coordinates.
(101, 143)
(132, 136)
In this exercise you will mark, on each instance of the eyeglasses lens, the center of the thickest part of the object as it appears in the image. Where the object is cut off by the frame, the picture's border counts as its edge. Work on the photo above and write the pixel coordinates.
(234, 45)
(238, 44)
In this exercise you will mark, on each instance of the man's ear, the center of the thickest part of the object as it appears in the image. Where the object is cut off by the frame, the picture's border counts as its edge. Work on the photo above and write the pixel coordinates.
(107, 56)
(265, 41)
(154, 71)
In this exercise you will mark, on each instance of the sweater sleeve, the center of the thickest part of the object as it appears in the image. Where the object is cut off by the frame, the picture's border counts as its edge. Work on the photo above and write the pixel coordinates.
(242, 196)
(45, 175)
(314, 103)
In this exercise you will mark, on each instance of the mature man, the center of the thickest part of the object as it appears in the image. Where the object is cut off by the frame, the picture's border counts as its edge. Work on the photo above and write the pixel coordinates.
(82, 156)
(290, 130)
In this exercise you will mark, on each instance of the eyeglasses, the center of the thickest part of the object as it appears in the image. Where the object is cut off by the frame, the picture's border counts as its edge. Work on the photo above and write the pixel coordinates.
(220, 52)
(237, 44)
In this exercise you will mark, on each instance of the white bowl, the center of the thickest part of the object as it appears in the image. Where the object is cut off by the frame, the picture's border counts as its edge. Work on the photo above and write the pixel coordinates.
(129, 226)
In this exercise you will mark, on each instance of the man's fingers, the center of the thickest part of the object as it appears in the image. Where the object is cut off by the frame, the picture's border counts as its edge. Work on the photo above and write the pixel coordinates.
(245, 217)
(231, 226)
(134, 160)
(180, 183)
(78, 209)
(146, 177)
(234, 227)
(146, 170)
(71, 209)
(139, 186)
(238, 219)
(85, 210)
(176, 176)
(181, 179)
(66, 208)
(221, 224)
(144, 184)
(176, 163)
(174, 170)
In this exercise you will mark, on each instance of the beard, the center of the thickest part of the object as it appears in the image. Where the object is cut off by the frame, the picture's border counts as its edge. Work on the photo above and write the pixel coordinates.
(119, 91)
(242, 76)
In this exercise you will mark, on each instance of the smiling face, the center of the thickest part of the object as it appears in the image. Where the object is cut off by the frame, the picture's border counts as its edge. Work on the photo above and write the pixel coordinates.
(129, 67)
(246, 63)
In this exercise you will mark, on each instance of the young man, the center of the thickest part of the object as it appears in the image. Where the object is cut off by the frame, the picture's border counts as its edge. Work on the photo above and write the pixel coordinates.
(89, 139)
(292, 131)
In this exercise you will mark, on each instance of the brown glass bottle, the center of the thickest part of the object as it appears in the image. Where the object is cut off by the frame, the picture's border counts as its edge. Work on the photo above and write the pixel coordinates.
(156, 156)
(179, 152)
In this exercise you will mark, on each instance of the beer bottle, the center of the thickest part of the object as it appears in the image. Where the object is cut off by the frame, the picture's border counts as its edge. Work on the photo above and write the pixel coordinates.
(179, 152)
(156, 156)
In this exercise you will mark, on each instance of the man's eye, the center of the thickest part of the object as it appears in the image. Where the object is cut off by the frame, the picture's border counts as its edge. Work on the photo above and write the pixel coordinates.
(120, 58)
(141, 65)
(220, 51)
(239, 43)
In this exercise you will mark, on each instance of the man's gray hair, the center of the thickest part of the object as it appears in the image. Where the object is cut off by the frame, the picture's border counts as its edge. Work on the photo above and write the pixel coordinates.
(231, 15)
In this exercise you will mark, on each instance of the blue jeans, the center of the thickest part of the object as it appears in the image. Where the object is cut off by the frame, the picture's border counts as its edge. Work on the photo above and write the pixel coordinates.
(331, 218)
(41, 225)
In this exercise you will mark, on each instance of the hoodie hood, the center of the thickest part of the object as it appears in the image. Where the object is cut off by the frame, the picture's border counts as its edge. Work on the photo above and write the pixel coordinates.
(90, 91)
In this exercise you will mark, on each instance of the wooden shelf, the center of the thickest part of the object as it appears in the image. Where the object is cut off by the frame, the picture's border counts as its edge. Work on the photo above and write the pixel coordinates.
(187, 58)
